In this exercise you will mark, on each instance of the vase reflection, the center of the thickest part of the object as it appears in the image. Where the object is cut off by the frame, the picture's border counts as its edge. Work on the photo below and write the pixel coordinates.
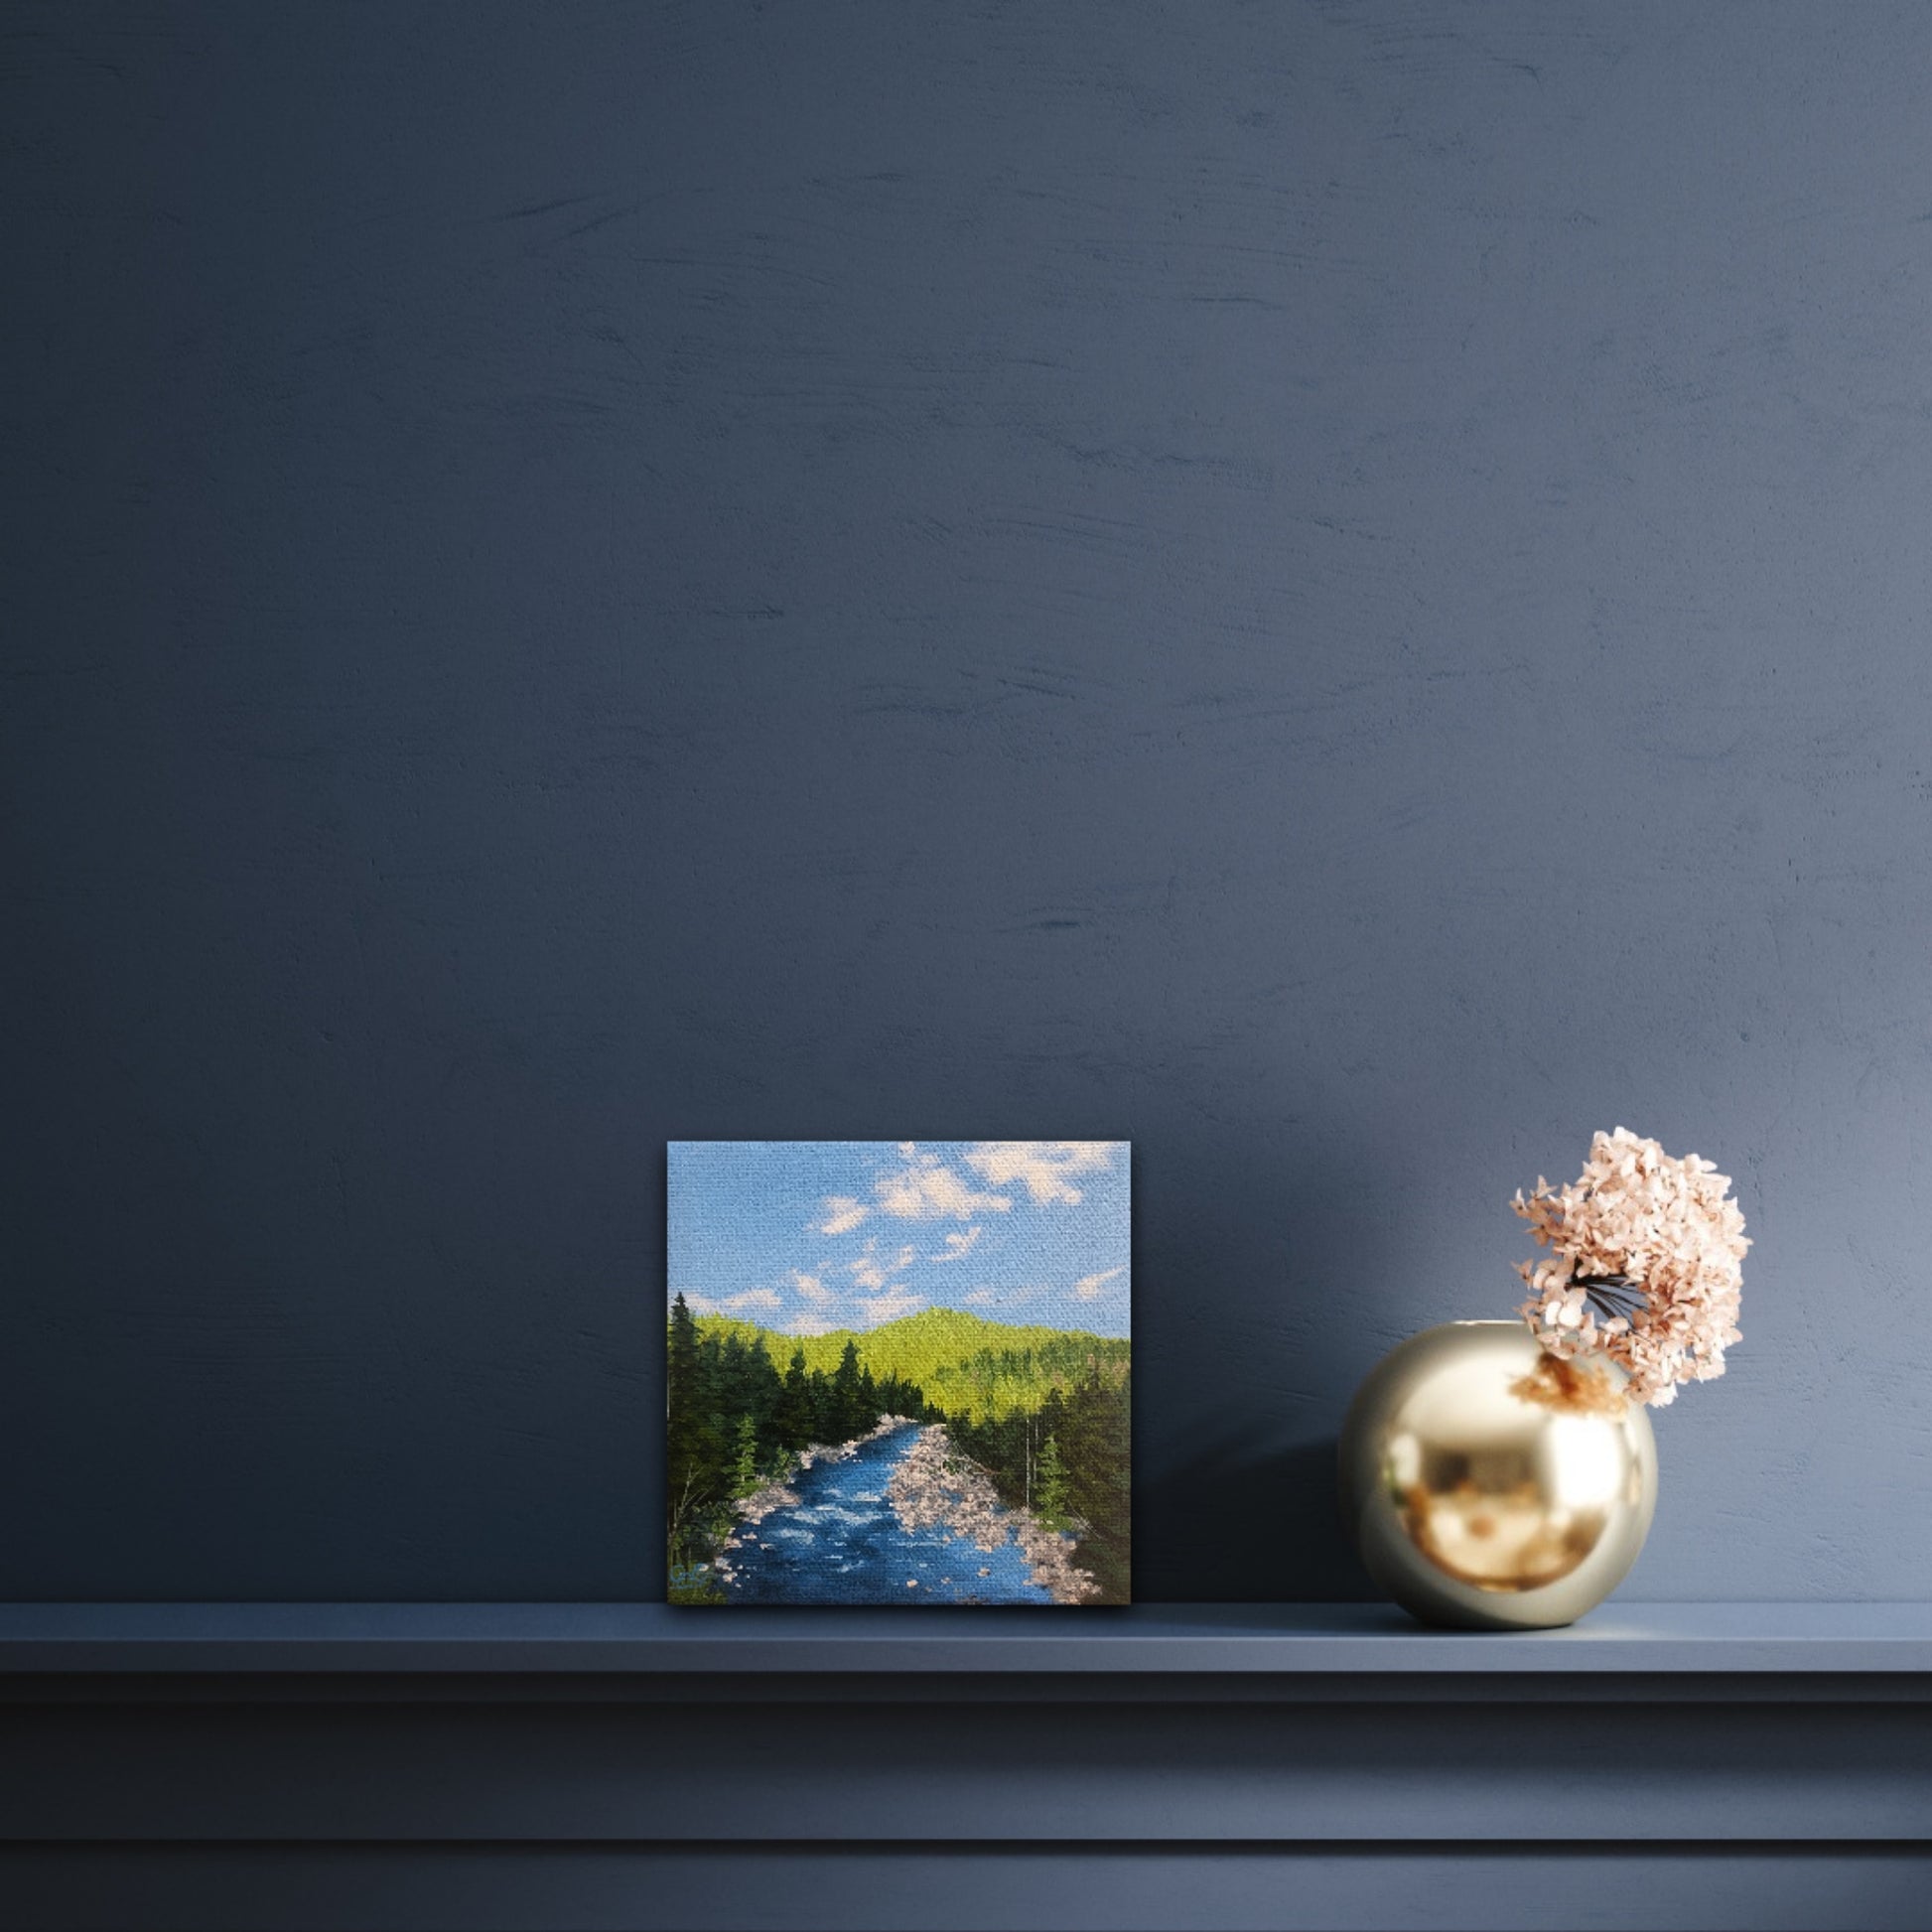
(1482, 1494)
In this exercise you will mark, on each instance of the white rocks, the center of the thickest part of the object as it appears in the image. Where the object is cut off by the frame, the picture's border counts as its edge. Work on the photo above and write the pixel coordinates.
(936, 1487)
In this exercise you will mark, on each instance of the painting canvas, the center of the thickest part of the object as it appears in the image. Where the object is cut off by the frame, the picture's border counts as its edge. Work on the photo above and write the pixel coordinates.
(898, 1372)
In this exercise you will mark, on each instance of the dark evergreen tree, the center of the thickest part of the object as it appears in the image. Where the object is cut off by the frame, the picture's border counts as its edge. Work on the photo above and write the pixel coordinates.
(744, 1471)
(795, 1419)
(760, 1397)
(693, 1445)
(1050, 1485)
(847, 1401)
(1095, 1441)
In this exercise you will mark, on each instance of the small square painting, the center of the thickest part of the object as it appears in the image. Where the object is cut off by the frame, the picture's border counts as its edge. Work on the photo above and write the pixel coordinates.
(898, 1372)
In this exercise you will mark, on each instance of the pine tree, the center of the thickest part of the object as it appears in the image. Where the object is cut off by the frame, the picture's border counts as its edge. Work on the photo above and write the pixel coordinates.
(763, 1385)
(745, 1477)
(1098, 1452)
(846, 1398)
(692, 1446)
(683, 1353)
(1050, 1485)
(795, 1420)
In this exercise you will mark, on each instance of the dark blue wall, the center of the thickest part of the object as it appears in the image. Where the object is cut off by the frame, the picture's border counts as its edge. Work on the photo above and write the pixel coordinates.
(1339, 591)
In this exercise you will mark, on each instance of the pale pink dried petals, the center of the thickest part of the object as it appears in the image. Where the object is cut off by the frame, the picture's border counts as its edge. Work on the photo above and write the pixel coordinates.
(1669, 1228)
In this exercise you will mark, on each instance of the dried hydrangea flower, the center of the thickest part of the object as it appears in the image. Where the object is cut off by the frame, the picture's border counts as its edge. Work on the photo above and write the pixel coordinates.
(1645, 1265)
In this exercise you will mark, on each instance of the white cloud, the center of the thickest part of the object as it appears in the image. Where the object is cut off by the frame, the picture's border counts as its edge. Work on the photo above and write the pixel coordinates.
(983, 1297)
(959, 1246)
(842, 1215)
(807, 1325)
(1045, 1168)
(812, 1286)
(926, 1189)
(1089, 1288)
(765, 1299)
(701, 1305)
(890, 1307)
(872, 1273)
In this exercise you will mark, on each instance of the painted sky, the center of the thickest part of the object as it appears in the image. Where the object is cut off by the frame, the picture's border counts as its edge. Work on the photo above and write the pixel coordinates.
(807, 1236)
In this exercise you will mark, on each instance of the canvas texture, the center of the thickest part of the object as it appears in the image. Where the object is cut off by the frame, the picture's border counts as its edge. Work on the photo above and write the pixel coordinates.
(898, 1372)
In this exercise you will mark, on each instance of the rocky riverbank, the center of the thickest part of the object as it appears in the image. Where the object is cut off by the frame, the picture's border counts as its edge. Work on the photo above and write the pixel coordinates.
(936, 1487)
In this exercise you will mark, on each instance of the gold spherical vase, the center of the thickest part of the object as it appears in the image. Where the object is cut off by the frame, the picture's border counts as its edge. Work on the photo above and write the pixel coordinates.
(1492, 1487)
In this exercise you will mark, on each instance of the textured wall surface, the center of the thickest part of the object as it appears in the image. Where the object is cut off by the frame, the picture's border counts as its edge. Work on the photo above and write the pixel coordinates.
(1341, 591)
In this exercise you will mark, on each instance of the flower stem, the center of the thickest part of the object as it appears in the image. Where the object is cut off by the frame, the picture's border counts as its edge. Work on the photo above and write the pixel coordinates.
(1615, 1296)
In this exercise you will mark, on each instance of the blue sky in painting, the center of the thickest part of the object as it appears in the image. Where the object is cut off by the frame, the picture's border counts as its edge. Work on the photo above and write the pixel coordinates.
(807, 1236)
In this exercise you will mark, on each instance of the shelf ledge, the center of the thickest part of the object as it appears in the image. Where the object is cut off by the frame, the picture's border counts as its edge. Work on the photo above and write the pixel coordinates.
(1150, 1639)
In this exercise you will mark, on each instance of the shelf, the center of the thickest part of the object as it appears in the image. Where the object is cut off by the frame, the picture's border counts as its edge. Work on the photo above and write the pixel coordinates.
(1149, 1640)
(575, 1764)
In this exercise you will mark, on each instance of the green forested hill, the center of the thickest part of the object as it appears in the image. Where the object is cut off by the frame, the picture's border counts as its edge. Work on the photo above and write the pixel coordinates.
(962, 1362)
